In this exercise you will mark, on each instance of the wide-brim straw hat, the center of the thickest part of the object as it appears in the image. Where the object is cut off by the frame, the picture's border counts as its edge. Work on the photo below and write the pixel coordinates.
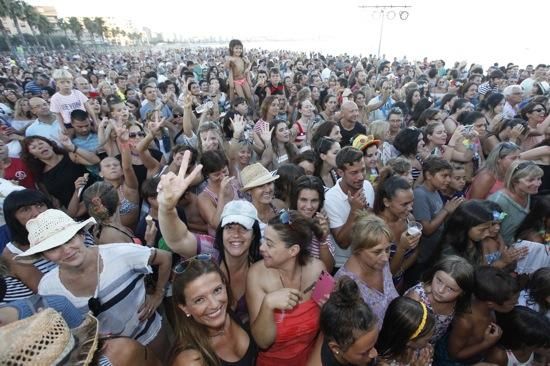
(256, 175)
(50, 229)
(45, 339)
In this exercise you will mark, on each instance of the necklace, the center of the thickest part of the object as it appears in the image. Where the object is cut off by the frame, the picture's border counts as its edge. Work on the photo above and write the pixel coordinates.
(282, 283)
(221, 332)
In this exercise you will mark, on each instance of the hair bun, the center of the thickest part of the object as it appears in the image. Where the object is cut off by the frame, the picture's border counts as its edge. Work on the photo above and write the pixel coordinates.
(346, 293)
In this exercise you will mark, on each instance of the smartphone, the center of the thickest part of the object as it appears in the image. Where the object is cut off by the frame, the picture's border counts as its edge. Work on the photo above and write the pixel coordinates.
(325, 285)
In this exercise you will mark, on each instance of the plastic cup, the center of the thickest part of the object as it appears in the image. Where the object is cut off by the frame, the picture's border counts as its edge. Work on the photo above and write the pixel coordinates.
(414, 228)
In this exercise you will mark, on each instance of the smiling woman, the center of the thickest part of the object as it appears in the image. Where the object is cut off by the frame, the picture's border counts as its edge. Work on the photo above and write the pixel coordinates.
(106, 280)
(205, 332)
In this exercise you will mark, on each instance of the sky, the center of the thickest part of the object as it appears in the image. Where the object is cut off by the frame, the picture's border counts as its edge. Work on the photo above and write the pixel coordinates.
(482, 31)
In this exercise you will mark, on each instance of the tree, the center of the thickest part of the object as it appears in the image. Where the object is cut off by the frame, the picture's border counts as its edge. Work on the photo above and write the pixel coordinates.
(15, 12)
(90, 26)
(63, 26)
(75, 27)
(100, 27)
(31, 16)
(3, 14)
(45, 28)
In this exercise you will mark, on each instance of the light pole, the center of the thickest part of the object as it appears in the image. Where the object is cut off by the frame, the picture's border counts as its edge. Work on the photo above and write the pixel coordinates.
(381, 11)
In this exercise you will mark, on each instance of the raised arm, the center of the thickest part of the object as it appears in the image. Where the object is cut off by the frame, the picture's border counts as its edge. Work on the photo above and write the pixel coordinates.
(130, 178)
(170, 189)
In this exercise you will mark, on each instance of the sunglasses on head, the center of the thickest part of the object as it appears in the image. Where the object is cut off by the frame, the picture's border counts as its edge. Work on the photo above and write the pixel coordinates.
(133, 135)
(181, 267)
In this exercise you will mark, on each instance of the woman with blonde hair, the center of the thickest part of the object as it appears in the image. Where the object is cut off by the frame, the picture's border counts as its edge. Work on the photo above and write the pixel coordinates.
(22, 116)
(522, 180)
(369, 264)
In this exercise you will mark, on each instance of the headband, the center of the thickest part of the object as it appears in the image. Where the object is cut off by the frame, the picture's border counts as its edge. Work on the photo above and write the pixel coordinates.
(422, 323)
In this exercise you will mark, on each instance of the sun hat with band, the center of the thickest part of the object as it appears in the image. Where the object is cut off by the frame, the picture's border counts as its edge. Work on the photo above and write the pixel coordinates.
(362, 142)
(46, 339)
(256, 175)
(239, 212)
(51, 229)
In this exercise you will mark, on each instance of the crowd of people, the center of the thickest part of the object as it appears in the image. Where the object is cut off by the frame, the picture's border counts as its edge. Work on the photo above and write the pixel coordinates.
(221, 207)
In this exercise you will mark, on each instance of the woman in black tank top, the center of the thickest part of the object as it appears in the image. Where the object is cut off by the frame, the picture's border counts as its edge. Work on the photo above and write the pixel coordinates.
(205, 331)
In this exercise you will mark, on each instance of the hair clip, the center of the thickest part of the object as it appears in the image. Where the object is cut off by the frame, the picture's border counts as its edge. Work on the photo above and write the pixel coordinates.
(499, 216)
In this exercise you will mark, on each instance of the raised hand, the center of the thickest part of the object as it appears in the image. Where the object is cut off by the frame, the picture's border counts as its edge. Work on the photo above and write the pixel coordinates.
(265, 133)
(357, 201)
(66, 142)
(171, 187)
(238, 124)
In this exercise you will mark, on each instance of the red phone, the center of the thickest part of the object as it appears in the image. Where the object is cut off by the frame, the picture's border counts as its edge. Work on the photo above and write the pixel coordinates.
(325, 285)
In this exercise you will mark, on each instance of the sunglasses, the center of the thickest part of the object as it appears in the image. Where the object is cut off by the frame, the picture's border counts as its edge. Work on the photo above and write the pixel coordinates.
(181, 267)
(178, 115)
(538, 110)
(133, 135)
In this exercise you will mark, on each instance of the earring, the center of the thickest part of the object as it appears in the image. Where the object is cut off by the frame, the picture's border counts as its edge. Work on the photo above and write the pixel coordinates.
(187, 315)
(337, 352)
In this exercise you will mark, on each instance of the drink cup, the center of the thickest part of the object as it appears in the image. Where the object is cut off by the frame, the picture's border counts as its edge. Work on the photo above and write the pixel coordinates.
(414, 228)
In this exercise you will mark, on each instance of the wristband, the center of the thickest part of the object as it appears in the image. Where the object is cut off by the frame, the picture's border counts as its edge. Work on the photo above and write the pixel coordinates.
(75, 148)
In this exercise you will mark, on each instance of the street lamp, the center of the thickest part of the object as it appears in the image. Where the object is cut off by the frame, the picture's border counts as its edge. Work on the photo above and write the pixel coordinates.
(380, 11)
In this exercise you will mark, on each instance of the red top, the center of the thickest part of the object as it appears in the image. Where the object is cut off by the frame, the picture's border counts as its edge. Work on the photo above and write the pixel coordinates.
(297, 331)
(19, 172)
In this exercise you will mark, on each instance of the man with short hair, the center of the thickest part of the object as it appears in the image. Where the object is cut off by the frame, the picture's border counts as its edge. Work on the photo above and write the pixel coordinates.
(538, 76)
(83, 85)
(84, 137)
(349, 123)
(35, 86)
(350, 194)
(46, 123)
(513, 95)
(492, 85)
(152, 102)
(360, 81)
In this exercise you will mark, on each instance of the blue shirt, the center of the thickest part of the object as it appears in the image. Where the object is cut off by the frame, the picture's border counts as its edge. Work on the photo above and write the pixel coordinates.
(148, 107)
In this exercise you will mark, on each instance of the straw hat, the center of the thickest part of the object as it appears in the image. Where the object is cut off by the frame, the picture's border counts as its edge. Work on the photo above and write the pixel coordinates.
(50, 229)
(45, 339)
(362, 142)
(256, 175)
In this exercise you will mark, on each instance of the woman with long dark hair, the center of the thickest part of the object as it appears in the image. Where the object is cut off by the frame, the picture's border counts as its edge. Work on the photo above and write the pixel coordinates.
(237, 241)
(207, 333)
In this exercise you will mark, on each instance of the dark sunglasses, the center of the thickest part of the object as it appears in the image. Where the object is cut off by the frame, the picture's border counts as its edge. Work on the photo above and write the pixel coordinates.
(133, 135)
(538, 110)
(182, 266)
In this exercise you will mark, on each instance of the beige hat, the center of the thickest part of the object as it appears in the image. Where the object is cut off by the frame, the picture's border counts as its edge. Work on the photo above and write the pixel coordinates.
(50, 229)
(256, 175)
(45, 339)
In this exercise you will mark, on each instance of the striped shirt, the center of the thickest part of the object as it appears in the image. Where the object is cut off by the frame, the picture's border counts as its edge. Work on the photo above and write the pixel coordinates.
(15, 290)
(121, 292)
(42, 264)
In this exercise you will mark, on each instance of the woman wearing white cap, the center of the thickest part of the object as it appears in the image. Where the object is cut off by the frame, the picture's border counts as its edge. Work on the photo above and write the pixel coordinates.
(106, 280)
(237, 242)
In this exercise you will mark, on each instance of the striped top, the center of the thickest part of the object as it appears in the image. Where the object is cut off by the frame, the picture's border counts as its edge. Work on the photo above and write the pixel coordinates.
(14, 290)
(42, 264)
(121, 292)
